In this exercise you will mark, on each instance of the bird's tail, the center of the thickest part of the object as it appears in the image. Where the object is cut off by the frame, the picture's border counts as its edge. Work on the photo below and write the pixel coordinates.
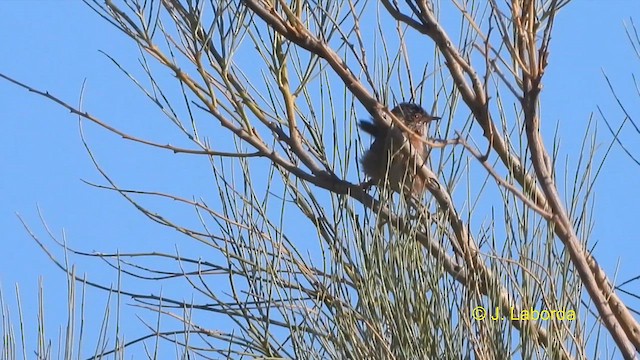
(369, 127)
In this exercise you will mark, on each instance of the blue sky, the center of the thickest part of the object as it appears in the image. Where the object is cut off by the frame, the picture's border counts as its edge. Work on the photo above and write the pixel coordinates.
(53, 46)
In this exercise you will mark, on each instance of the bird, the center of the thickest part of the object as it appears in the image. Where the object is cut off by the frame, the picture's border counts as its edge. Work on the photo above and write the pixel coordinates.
(384, 163)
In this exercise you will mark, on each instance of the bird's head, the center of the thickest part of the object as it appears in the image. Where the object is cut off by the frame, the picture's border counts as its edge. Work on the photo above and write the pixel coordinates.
(413, 115)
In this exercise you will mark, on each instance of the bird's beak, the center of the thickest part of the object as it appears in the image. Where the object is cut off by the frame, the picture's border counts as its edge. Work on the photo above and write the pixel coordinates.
(436, 118)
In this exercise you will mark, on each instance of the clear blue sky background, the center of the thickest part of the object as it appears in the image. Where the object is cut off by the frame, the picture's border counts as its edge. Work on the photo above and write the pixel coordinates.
(53, 45)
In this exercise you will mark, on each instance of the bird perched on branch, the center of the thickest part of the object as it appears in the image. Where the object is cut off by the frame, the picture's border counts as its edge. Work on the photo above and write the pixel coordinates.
(384, 162)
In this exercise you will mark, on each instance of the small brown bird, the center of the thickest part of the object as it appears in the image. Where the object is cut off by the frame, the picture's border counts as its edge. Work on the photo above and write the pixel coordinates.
(384, 162)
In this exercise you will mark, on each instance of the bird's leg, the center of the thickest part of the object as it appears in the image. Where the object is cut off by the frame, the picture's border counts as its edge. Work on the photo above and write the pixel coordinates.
(366, 185)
